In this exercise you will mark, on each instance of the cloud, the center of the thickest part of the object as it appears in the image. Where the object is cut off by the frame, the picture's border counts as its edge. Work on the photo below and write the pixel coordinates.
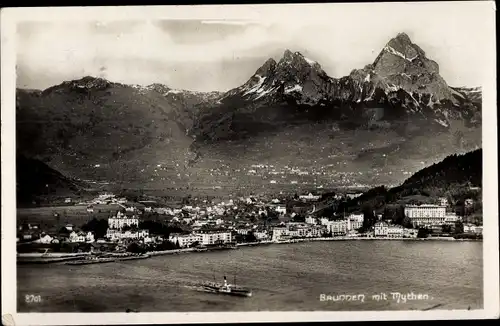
(142, 51)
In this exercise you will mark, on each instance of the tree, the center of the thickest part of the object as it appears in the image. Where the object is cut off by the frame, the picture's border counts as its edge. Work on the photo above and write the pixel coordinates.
(251, 237)
(459, 227)
(446, 228)
(134, 247)
(422, 233)
(407, 223)
(98, 227)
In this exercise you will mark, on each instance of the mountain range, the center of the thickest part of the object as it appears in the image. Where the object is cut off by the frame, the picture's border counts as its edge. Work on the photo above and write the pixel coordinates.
(385, 120)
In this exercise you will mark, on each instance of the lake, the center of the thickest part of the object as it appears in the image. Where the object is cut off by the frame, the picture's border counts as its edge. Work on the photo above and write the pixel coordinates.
(283, 277)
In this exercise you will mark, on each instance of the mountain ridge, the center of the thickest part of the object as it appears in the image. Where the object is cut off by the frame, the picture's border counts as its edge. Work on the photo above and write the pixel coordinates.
(99, 129)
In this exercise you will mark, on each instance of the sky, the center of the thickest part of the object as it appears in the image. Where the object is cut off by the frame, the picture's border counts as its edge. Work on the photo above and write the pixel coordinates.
(220, 53)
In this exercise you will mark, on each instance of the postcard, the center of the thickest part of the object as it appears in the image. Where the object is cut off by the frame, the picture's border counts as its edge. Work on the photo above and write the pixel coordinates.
(249, 163)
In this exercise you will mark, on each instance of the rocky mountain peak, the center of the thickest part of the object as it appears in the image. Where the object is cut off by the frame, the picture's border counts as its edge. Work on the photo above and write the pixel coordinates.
(267, 68)
(86, 83)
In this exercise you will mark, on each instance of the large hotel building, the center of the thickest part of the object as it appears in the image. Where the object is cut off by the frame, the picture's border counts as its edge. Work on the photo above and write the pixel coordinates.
(426, 214)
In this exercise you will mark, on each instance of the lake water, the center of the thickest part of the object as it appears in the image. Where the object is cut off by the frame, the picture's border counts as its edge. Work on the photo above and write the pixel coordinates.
(283, 277)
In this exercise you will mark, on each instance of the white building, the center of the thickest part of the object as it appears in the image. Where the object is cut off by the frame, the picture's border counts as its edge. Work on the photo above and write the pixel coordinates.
(261, 235)
(89, 237)
(471, 228)
(427, 214)
(309, 197)
(451, 218)
(395, 231)
(381, 229)
(410, 233)
(205, 238)
(185, 240)
(280, 209)
(324, 221)
(121, 220)
(280, 233)
(338, 227)
(211, 238)
(45, 239)
(116, 235)
(77, 237)
(355, 221)
(310, 220)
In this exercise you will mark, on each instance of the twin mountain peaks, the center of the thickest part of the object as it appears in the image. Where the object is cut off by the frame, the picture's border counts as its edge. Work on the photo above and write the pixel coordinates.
(400, 95)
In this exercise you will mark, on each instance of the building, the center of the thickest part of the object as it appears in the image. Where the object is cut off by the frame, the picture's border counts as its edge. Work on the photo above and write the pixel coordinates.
(185, 240)
(425, 215)
(89, 237)
(215, 237)
(381, 229)
(355, 221)
(261, 235)
(471, 228)
(310, 220)
(117, 235)
(45, 239)
(121, 220)
(203, 238)
(280, 233)
(77, 237)
(450, 218)
(395, 231)
(324, 221)
(309, 197)
(337, 228)
(410, 233)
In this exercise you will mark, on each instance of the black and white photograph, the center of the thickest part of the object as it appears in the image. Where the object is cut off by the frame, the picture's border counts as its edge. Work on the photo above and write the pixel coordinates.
(337, 160)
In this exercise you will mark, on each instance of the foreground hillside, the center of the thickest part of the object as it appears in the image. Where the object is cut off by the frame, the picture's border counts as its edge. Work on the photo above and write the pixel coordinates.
(35, 181)
(456, 178)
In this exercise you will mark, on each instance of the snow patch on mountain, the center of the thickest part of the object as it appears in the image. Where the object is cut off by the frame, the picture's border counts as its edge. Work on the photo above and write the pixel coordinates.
(295, 88)
(391, 50)
(257, 86)
(309, 61)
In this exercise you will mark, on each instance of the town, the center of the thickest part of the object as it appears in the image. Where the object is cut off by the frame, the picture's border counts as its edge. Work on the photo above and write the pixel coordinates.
(146, 226)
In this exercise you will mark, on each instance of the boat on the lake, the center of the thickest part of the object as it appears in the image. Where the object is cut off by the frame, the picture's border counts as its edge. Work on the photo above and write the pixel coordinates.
(227, 289)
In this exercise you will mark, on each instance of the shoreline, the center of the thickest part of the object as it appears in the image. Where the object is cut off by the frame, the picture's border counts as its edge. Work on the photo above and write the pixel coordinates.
(263, 243)
(36, 258)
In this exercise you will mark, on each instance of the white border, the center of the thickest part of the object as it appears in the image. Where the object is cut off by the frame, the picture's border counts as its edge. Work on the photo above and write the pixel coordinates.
(10, 16)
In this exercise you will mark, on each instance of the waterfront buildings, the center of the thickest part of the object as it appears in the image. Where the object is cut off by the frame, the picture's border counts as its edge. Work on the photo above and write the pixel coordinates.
(384, 229)
(202, 238)
(337, 228)
(81, 237)
(422, 215)
(355, 221)
(471, 228)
